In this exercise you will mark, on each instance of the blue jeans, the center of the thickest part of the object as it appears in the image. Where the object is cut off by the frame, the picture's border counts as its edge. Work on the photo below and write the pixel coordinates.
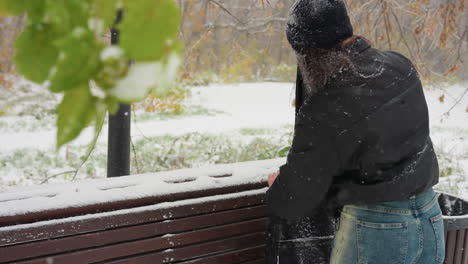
(398, 232)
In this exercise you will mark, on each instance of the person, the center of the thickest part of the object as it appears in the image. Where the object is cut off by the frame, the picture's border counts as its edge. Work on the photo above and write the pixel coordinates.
(305, 240)
(361, 144)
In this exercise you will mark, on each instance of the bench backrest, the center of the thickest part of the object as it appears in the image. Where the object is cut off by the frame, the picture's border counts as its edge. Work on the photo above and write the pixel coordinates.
(222, 221)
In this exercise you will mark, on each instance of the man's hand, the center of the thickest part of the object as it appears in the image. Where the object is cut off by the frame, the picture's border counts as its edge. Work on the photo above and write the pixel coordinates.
(272, 177)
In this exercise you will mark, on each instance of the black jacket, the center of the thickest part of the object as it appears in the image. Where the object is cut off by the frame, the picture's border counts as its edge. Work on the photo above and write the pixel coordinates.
(362, 139)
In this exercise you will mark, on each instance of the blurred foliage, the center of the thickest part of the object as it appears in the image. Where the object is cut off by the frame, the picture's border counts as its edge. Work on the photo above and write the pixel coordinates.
(61, 46)
(200, 78)
(171, 103)
(4, 110)
(449, 164)
(244, 40)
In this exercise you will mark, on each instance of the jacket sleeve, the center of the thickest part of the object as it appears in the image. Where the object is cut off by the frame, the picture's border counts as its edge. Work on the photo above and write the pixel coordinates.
(305, 179)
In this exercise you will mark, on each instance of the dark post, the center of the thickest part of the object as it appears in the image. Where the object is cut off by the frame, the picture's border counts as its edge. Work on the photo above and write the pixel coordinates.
(118, 149)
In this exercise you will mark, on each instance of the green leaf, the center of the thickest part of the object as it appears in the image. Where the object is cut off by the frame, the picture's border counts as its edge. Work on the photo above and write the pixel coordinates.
(11, 7)
(35, 8)
(149, 28)
(75, 112)
(114, 66)
(68, 15)
(104, 11)
(78, 61)
(112, 104)
(99, 123)
(35, 52)
(141, 78)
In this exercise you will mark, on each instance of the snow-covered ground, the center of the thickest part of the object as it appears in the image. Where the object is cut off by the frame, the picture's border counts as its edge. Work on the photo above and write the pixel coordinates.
(249, 105)
(449, 132)
(253, 106)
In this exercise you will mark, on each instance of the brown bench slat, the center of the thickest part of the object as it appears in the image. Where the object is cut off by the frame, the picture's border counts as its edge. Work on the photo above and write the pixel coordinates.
(60, 213)
(90, 240)
(460, 246)
(158, 243)
(465, 252)
(258, 261)
(198, 250)
(102, 222)
(233, 257)
(451, 243)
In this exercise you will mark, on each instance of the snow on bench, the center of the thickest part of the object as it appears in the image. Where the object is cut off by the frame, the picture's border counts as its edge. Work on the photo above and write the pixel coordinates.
(204, 215)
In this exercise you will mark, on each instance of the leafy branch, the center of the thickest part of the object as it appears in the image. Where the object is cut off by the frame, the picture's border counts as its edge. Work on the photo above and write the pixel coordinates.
(62, 47)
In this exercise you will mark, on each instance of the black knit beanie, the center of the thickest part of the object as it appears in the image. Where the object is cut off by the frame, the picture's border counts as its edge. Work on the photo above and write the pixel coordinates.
(317, 24)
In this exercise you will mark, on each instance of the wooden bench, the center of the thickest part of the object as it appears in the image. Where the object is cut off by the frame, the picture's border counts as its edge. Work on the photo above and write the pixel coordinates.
(214, 215)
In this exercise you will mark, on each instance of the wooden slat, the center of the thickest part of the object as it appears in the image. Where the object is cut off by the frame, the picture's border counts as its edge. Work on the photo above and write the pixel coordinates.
(158, 243)
(98, 222)
(197, 250)
(96, 239)
(258, 261)
(232, 257)
(60, 213)
(459, 246)
(465, 251)
(451, 243)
